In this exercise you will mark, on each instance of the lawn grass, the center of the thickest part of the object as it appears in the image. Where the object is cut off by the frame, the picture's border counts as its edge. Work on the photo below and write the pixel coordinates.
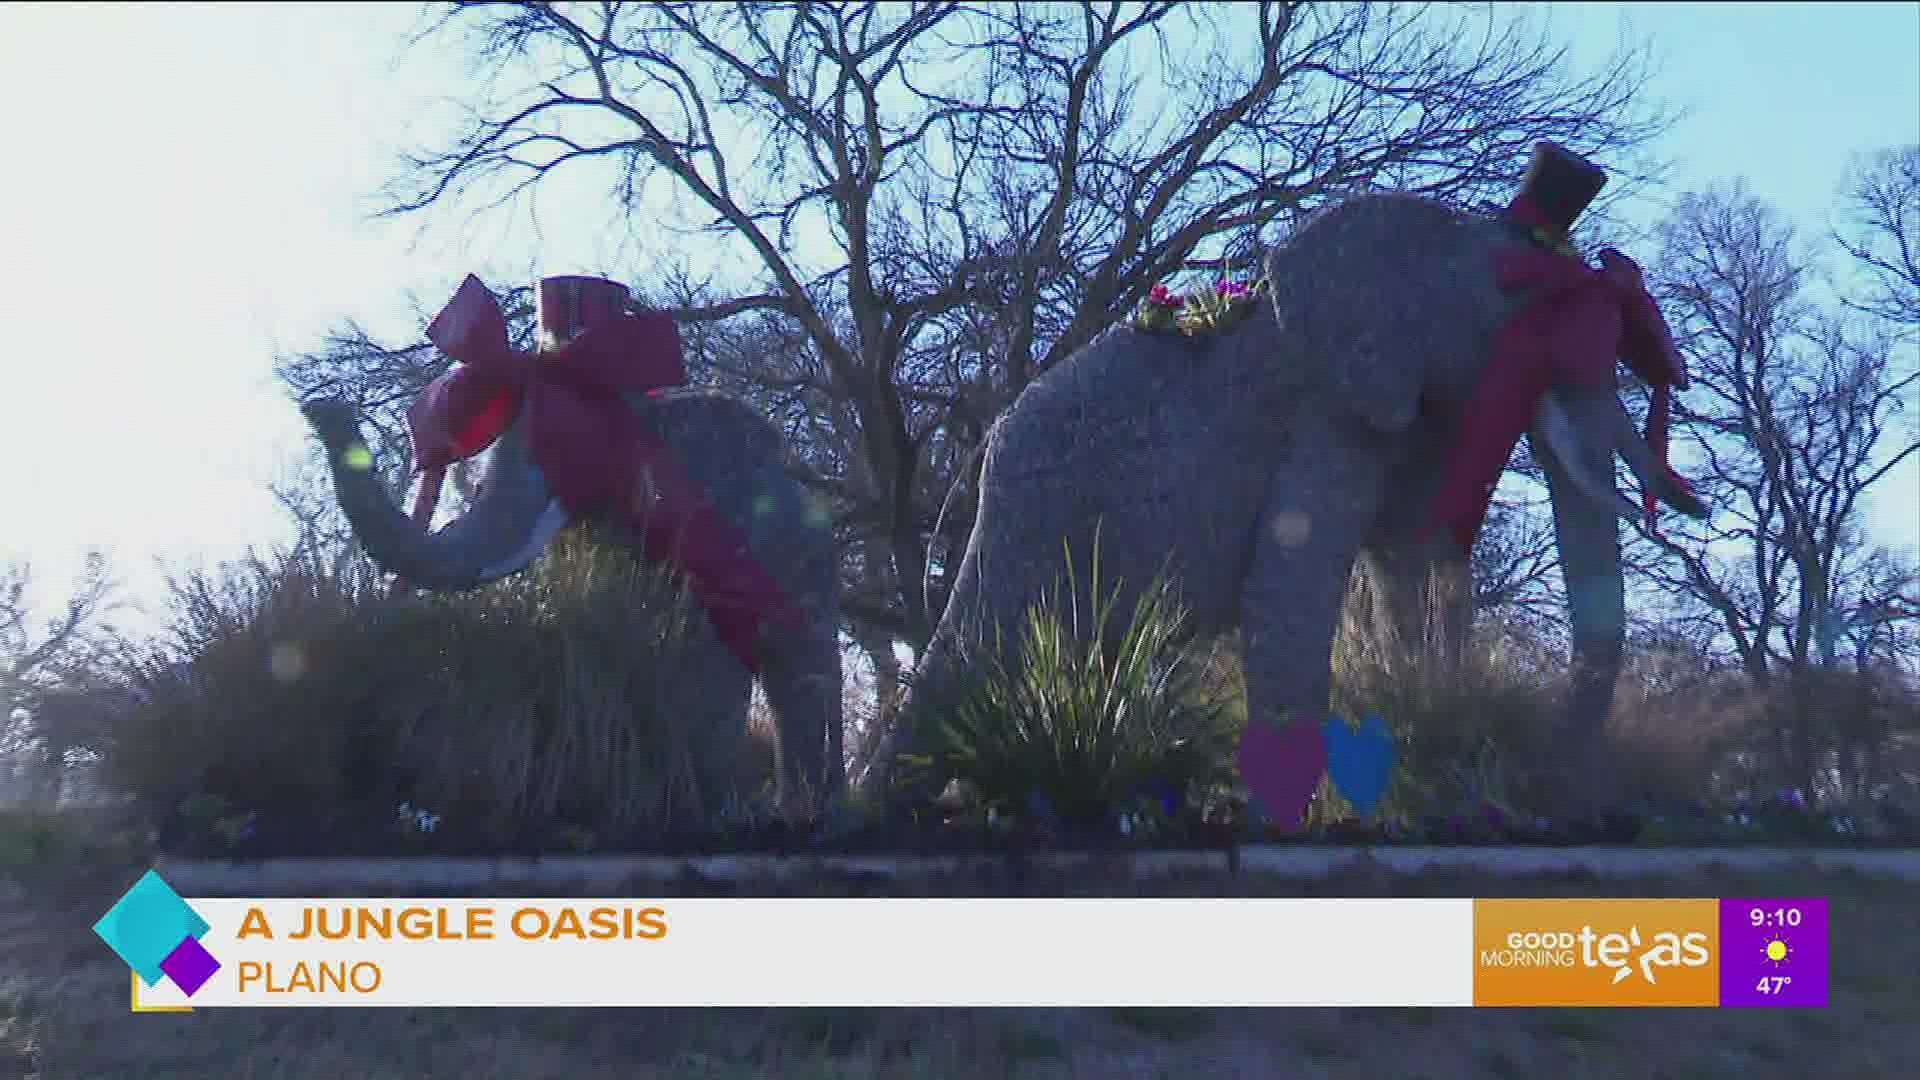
(63, 1010)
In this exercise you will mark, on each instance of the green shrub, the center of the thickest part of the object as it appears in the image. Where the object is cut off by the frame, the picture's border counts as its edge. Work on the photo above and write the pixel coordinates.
(38, 843)
(1083, 717)
(27, 838)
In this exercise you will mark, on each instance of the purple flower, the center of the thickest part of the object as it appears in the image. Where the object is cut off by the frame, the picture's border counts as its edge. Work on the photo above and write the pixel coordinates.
(1232, 290)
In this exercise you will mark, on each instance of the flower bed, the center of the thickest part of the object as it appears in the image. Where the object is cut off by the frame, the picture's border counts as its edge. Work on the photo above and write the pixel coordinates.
(846, 832)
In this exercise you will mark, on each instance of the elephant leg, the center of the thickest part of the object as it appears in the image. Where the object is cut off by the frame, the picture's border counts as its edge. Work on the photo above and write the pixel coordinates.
(1588, 536)
(726, 689)
(933, 678)
(801, 679)
(1320, 507)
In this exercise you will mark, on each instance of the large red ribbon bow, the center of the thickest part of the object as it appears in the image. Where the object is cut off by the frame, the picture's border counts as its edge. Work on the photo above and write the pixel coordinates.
(1579, 319)
(597, 456)
(580, 429)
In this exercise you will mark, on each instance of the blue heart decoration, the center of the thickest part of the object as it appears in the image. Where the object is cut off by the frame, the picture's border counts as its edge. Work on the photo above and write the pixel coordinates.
(1360, 763)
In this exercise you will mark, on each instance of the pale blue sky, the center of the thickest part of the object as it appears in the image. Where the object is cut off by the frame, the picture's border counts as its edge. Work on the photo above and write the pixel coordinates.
(186, 187)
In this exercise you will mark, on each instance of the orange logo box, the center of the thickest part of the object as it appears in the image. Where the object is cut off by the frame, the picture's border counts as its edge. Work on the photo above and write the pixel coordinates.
(1596, 952)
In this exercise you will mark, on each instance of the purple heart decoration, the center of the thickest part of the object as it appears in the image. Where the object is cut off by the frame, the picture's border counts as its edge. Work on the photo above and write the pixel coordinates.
(1282, 767)
(1360, 763)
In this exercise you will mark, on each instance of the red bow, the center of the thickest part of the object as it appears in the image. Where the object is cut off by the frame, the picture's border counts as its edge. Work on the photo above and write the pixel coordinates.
(1578, 321)
(580, 429)
(594, 451)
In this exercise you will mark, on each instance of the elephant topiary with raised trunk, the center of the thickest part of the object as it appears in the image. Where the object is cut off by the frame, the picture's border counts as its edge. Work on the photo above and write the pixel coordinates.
(1364, 404)
(595, 427)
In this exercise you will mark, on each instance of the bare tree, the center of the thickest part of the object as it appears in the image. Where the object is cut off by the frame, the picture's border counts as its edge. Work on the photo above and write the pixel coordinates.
(1882, 232)
(1790, 417)
(998, 182)
(66, 644)
(39, 666)
(1515, 563)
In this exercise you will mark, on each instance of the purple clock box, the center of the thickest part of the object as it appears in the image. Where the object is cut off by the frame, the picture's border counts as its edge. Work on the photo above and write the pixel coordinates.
(1773, 952)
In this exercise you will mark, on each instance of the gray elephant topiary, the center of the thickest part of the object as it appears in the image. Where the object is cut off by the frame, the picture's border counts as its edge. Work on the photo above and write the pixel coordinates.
(595, 427)
(1373, 394)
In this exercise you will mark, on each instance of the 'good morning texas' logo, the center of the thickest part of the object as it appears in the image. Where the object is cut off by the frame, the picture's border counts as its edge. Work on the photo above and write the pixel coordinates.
(1596, 952)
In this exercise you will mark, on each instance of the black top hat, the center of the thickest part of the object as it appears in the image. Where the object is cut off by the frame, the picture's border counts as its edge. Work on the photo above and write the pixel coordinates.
(1559, 184)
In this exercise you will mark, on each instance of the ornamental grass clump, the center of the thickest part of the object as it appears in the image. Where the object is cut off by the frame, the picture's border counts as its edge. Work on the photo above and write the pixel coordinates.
(307, 707)
(1472, 720)
(1085, 728)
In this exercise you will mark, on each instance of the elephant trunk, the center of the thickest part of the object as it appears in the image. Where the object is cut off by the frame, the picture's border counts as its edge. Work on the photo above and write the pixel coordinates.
(1610, 416)
(506, 528)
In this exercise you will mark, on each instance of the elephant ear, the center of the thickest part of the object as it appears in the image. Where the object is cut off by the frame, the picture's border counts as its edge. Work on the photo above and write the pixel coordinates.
(1370, 294)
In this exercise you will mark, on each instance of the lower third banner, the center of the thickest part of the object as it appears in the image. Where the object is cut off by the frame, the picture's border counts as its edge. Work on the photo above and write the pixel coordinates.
(190, 954)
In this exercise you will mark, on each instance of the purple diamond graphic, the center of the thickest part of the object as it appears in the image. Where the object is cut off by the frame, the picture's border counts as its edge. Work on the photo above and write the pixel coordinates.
(1773, 951)
(190, 965)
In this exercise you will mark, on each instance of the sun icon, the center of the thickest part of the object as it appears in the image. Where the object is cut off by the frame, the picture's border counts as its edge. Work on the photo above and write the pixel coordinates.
(1776, 950)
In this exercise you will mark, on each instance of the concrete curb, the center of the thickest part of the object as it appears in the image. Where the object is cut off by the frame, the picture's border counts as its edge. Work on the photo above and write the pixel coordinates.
(206, 877)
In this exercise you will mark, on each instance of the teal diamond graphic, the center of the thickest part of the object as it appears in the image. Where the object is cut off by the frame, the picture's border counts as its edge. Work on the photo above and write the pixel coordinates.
(147, 924)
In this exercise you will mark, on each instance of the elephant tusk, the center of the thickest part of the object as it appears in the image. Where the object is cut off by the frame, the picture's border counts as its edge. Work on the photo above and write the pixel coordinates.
(1564, 442)
(552, 520)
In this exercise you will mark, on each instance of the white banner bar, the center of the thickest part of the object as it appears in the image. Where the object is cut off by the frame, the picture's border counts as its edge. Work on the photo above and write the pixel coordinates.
(840, 952)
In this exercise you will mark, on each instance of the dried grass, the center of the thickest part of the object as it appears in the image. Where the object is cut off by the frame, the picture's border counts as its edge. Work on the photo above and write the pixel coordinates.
(580, 691)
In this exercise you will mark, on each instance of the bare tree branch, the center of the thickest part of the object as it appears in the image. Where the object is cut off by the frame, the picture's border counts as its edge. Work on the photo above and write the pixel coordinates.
(1882, 232)
(998, 182)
